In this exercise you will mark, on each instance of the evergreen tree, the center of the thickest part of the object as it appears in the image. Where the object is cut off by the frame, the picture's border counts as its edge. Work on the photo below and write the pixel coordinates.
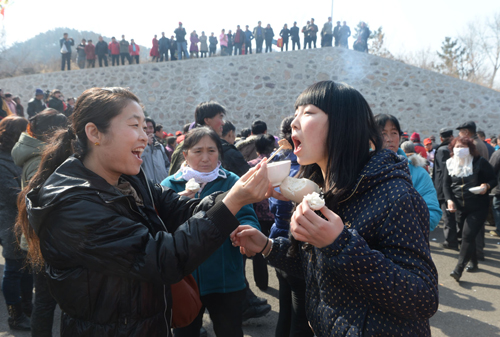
(454, 59)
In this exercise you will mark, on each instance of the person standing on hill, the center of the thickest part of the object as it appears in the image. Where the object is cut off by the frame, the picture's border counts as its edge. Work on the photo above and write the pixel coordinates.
(269, 34)
(81, 56)
(124, 53)
(327, 34)
(313, 33)
(203, 45)
(305, 31)
(239, 40)
(248, 41)
(101, 50)
(213, 44)
(180, 36)
(65, 45)
(134, 51)
(163, 46)
(294, 33)
(90, 54)
(114, 47)
(285, 34)
(258, 33)
(336, 34)
(345, 32)
(173, 48)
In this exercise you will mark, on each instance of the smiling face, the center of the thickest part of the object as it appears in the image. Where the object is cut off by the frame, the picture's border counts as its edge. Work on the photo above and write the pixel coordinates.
(203, 156)
(309, 135)
(390, 134)
(120, 148)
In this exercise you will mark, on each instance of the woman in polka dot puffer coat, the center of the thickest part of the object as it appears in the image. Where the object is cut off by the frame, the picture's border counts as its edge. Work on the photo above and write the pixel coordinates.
(365, 256)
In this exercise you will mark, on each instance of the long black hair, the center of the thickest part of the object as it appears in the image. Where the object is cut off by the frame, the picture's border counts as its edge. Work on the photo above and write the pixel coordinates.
(98, 106)
(351, 132)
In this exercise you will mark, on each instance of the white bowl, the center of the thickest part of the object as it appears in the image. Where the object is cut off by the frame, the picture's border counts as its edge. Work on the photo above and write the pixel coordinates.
(476, 190)
(278, 171)
(295, 189)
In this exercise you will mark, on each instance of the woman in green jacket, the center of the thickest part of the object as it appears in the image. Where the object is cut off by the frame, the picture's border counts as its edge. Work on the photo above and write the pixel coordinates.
(220, 278)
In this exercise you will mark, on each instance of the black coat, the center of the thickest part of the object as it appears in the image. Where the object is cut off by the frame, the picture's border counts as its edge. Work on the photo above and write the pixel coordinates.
(439, 169)
(10, 186)
(294, 33)
(457, 189)
(110, 262)
(35, 106)
(232, 159)
(57, 104)
(101, 48)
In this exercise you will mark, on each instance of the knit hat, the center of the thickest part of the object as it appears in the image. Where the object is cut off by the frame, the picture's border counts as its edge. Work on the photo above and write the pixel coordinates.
(38, 92)
(415, 136)
(427, 141)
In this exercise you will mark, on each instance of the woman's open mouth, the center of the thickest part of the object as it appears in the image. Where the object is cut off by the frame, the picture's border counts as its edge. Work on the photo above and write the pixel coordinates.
(138, 152)
(297, 144)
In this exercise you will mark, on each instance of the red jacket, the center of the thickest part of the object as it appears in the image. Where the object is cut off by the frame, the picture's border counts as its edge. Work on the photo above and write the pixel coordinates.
(90, 51)
(115, 48)
(131, 50)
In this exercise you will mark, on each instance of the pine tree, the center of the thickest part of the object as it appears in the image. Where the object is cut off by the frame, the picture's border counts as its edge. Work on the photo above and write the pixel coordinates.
(454, 59)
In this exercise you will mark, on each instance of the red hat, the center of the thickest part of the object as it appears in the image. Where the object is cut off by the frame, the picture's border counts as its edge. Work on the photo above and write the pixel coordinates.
(165, 134)
(180, 23)
(427, 141)
(170, 134)
(415, 136)
(405, 135)
(178, 133)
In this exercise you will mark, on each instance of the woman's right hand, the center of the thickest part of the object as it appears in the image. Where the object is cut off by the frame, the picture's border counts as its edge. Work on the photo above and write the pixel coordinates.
(254, 191)
(451, 206)
(250, 240)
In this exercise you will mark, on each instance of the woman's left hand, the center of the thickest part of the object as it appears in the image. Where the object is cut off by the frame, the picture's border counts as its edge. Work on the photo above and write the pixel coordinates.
(307, 226)
(485, 188)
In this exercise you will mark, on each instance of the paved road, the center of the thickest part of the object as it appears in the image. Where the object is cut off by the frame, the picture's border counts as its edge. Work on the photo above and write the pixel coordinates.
(471, 307)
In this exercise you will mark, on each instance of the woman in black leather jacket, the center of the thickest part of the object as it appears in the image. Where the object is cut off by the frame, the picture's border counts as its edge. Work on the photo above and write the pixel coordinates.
(465, 170)
(113, 242)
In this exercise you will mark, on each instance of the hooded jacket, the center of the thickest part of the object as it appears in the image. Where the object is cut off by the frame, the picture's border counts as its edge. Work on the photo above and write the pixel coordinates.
(223, 271)
(10, 186)
(377, 278)
(109, 261)
(423, 184)
(27, 153)
(247, 147)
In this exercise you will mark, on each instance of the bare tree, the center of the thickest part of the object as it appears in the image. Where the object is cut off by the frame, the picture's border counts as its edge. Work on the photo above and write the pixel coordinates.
(491, 45)
(470, 38)
(376, 44)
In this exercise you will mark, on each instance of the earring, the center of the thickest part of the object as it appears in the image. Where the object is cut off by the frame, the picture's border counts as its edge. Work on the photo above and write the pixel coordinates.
(97, 143)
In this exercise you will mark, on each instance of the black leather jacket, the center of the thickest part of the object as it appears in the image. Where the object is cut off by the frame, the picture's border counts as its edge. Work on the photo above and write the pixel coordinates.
(109, 261)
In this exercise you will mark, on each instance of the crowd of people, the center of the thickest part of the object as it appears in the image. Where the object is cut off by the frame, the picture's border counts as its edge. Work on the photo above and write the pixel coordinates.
(237, 43)
(95, 197)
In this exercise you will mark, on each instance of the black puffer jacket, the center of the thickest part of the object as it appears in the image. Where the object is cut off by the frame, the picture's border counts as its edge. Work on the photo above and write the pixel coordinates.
(110, 262)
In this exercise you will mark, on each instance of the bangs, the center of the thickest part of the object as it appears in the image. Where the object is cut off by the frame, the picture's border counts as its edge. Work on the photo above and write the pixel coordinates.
(315, 95)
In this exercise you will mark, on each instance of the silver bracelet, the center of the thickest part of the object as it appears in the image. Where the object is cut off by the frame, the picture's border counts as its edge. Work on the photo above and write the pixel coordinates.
(270, 250)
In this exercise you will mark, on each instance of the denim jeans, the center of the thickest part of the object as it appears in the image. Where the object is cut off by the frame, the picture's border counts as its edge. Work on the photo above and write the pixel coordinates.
(182, 46)
(17, 280)
(496, 212)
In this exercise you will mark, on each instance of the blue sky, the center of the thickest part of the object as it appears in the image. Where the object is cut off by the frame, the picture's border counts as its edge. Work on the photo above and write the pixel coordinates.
(409, 25)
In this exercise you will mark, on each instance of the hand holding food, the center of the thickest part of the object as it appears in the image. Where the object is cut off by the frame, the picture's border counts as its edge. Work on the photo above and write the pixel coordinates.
(192, 185)
(296, 189)
(314, 201)
(307, 226)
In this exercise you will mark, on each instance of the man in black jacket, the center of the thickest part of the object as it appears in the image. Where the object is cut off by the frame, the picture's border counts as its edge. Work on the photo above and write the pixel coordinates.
(294, 33)
(336, 34)
(101, 50)
(438, 175)
(232, 159)
(36, 104)
(164, 47)
(258, 33)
